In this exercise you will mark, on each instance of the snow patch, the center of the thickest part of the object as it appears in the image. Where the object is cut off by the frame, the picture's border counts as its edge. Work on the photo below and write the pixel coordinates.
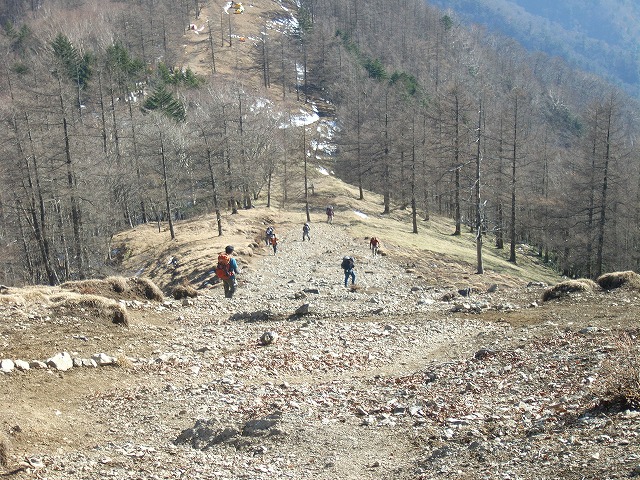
(360, 214)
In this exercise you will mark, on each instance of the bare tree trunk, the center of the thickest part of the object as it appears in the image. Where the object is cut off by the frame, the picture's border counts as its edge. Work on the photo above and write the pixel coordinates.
(480, 266)
(306, 186)
(603, 206)
(165, 185)
(214, 190)
(456, 162)
(512, 227)
(212, 47)
(76, 219)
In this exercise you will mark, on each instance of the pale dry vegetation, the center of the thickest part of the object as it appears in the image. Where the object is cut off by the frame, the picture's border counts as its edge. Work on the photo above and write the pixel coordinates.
(619, 380)
(567, 287)
(628, 279)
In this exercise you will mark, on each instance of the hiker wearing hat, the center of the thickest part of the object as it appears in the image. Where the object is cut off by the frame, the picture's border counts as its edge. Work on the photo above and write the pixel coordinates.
(306, 228)
(349, 268)
(226, 270)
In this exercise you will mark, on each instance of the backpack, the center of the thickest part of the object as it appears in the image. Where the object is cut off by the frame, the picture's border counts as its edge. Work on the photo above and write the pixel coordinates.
(329, 211)
(306, 227)
(223, 269)
(347, 263)
(269, 231)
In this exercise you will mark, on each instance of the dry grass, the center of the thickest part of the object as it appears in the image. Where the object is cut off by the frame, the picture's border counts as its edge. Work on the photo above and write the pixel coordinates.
(619, 379)
(117, 288)
(610, 281)
(184, 291)
(146, 287)
(5, 448)
(124, 362)
(570, 286)
(99, 307)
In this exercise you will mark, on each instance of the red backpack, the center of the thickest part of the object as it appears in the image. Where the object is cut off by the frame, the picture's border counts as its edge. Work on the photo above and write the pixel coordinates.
(223, 269)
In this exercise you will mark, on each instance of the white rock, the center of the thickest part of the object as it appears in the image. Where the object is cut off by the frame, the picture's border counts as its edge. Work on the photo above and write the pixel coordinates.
(61, 361)
(7, 365)
(102, 359)
(22, 365)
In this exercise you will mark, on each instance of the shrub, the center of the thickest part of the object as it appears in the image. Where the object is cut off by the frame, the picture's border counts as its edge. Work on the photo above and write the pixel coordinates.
(610, 281)
(184, 291)
(570, 286)
(619, 379)
(4, 451)
(147, 288)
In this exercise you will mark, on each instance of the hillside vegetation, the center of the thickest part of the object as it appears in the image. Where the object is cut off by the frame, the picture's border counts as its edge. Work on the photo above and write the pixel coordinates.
(117, 119)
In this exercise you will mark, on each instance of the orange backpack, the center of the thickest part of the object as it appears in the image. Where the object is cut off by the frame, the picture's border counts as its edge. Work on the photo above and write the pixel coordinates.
(223, 269)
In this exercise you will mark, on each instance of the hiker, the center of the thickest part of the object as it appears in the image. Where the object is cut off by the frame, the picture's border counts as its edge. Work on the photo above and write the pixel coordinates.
(305, 232)
(274, 243)
(226, 271)
(374, 244)
(267, 235)
(349, 268)
(329, 212)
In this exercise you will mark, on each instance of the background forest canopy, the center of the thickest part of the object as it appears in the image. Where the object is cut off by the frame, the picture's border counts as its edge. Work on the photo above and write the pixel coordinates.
(600, 36)
(106, 126)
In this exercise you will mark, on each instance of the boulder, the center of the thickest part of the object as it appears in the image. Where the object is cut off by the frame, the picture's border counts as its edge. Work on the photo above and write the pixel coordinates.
(61, 361)
(7, 365)
(22, 365)
(102, 359)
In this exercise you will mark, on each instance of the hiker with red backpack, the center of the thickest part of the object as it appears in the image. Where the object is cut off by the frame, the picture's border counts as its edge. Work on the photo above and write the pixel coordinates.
(226, 270)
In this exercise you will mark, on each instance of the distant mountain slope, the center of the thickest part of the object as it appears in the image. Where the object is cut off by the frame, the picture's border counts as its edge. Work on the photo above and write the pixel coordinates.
(600, 36)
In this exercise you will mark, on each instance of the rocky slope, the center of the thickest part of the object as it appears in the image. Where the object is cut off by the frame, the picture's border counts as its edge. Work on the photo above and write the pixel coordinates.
(392, 379)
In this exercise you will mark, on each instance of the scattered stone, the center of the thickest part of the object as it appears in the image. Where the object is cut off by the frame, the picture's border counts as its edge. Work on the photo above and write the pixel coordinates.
(102, 359)
(61, 362)
(483, 354)
(88, 362)
(302, 309)
(22, 365)
(268, 338)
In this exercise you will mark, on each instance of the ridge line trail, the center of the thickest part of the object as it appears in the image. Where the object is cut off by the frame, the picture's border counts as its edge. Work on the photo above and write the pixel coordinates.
(302, 265)
(398, 329)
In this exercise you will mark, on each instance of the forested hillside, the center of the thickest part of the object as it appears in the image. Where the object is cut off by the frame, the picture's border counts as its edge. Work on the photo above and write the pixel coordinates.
(111, 122)
(600, 36)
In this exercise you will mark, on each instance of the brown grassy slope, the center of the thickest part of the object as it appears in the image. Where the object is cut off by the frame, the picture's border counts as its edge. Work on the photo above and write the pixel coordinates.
(433, 252)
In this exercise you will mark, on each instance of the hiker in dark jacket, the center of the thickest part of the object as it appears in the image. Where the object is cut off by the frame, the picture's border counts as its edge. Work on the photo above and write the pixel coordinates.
(305, 232)
(329, 212)
(348, 265)
(267, 235)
